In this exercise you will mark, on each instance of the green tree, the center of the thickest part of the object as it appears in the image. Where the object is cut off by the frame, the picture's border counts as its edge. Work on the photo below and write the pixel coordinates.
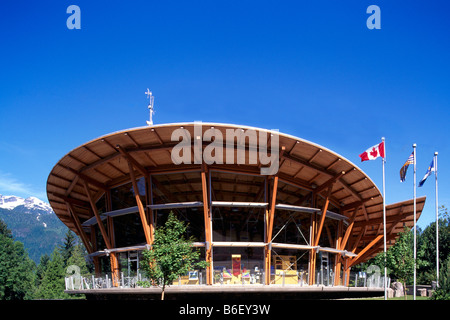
(4, 230)
(78, 260)
(400, 257)
(442, 292)
(172, 254)
(16, 268)
(427, 243)
(41, 268)
(53, 285)
(68, 246)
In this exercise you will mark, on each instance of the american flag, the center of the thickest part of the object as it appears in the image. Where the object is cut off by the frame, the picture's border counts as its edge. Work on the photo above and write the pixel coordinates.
(405, 167)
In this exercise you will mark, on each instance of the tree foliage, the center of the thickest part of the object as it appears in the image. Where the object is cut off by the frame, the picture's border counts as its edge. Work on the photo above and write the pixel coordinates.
(21, 279)
(442, 292)
(16, 268)
(427, 243)
(52, 286)
(400, 258)
(172, 255)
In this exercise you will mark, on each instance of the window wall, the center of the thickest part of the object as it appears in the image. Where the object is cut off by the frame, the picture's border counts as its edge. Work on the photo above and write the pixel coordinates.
(238, 265)
(238, 205)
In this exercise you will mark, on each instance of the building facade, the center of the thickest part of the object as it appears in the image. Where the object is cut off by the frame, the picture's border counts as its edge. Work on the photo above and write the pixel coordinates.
(263, 207)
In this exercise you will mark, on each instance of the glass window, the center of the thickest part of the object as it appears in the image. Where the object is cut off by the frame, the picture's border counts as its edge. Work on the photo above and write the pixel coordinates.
(238, 265)
(238, 224)
(101, 204)
(128, 230)
(329, 231)
(237, 187)
(289, 266)
(290, 194)
(291, 227)
(123, 196)
(325, 268)
(192, 217)
(177, 187)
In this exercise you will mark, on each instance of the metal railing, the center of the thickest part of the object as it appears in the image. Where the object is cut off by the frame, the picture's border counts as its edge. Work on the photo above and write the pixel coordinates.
(357, 279)
(78, 282)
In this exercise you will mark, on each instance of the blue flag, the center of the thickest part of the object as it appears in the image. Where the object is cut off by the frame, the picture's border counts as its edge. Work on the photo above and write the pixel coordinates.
(431, 168)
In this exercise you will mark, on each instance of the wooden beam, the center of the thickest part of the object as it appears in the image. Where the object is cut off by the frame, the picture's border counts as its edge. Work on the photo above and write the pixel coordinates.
(145, 226)
(349, 230)
(135, 163)
(375, 249)
(150, 216)
(358, 239)
(363, 251)
(337, 258)
(208, 225)
(331, 181)
(97, 215)
(315, 155)
(272, 208)
(377, 221)
(86, 178)
(270, 214)
(322, 218)
(79, 228)
(312, 252)
(70, 200)
(112, 257)
(72, 185)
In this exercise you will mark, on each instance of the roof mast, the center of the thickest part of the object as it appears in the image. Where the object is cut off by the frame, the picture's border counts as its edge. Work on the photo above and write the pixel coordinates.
(151, 99)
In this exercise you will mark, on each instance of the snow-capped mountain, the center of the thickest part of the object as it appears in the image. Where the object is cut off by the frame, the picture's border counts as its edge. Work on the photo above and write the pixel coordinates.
(33, 223)
(31, 203)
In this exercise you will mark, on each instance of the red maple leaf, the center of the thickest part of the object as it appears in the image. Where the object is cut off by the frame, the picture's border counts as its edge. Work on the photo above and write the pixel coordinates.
(374, 152)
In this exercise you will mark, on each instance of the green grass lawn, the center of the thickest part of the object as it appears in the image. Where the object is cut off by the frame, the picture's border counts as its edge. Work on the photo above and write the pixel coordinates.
(409, 298)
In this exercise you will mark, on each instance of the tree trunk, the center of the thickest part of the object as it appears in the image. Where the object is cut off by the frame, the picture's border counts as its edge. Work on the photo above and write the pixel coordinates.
(404, 289)
(162, 292)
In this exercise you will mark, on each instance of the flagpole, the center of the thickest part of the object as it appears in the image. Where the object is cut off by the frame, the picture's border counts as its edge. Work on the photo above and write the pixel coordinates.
(437, 220)
(384, 222)
(415, 227)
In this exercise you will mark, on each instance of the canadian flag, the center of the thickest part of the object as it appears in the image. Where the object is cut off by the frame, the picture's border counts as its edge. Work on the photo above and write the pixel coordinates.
(373, 152)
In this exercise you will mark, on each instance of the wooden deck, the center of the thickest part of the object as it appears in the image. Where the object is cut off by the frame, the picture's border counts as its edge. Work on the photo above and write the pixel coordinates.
(233, 292)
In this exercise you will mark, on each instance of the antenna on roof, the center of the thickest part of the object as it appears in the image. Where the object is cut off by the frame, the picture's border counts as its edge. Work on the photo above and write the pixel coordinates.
(151, 99)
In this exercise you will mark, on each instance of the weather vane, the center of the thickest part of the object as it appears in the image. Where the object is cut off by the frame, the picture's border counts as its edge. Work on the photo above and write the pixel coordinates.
(151, 99)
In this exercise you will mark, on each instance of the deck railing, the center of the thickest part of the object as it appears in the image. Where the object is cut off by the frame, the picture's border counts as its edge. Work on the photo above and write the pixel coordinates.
(78, 282)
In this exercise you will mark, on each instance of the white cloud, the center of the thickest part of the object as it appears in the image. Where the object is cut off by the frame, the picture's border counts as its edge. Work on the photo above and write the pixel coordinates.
(11, 186)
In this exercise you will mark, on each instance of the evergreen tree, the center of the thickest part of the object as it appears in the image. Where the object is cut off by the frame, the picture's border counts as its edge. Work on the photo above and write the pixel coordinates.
(41, 268)
(4, 230)
(16, 268)
(66, 249)
(77, 258)
(427, 243)
(53, 283)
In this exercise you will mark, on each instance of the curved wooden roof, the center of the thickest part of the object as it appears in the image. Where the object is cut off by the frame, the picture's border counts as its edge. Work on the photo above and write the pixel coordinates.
(309, 166)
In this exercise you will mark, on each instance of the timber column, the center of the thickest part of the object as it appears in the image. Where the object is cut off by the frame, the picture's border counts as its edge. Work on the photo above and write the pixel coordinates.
(208, 227)
(269, 228)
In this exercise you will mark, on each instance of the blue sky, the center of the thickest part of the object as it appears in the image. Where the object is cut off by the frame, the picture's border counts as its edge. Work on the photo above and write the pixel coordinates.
(308, 68)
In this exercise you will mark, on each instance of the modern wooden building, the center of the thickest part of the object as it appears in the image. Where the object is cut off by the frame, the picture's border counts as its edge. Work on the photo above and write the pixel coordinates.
(311, 221)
